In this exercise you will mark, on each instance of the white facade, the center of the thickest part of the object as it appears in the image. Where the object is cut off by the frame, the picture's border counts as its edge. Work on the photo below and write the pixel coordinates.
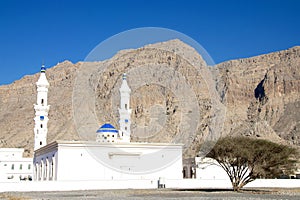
(91, 161)
(209, 169)
(41, 111)
(13, 167)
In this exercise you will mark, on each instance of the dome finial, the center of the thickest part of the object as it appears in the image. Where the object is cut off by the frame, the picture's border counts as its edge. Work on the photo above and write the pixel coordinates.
(43, 68)
(124, 76)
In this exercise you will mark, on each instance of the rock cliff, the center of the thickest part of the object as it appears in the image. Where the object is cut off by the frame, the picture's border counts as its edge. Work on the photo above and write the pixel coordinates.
(260, 94)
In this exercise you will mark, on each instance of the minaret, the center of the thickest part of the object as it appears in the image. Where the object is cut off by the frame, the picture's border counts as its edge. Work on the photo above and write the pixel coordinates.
(41, 111)
(124, 111)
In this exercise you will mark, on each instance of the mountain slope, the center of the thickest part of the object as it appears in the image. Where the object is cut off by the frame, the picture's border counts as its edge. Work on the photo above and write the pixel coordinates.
(261, 96)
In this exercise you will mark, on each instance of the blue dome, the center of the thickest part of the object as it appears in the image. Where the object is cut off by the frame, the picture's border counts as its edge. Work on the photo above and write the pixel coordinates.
(43, 69)
(107, 128)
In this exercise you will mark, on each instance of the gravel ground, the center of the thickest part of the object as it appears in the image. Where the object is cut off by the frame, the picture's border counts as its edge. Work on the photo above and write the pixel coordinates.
(292, 194)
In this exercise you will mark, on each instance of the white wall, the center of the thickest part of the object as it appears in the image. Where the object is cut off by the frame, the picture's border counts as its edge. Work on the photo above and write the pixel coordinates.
(111, 162)
(208, 168)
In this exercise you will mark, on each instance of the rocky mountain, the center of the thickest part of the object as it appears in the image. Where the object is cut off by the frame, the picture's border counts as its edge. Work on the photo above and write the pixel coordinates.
(176, 97)
(262, 95)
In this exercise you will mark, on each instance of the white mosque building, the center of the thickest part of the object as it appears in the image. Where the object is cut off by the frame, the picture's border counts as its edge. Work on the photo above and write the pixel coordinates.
(111, 161)
(110, 157)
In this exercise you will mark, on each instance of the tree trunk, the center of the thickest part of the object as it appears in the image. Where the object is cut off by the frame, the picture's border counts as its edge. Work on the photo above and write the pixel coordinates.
(236, 186)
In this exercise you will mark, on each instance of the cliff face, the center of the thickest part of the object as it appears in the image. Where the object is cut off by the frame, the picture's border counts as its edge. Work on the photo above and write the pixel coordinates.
(261, 96)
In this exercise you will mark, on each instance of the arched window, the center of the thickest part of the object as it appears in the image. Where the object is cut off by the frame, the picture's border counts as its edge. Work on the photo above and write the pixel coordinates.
(42, 102)
(51, 170)
(41, 125)
(41, 170)
(36, 171)
(46, 169)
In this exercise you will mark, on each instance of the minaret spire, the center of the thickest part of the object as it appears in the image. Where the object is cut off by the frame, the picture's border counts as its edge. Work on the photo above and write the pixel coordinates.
(43, 69)
(41, 111)
(124, 110)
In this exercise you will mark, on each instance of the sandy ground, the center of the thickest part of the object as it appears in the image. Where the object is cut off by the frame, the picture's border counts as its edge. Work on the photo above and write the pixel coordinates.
(293, 194)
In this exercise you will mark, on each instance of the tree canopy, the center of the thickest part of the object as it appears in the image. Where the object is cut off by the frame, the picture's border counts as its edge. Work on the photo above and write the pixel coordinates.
(246, 159)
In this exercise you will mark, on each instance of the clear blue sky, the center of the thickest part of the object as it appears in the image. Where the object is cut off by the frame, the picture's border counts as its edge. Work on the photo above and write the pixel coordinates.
(56, 30)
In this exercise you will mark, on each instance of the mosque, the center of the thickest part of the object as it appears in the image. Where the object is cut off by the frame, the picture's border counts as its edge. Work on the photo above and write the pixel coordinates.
(111, 161)
(110, 157)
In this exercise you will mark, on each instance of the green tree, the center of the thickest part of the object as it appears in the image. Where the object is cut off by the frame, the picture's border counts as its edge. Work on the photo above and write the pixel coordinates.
(246, 159)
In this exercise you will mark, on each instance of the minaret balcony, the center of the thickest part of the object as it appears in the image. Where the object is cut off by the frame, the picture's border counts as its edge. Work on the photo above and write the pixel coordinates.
(42, 88)
(41, 108)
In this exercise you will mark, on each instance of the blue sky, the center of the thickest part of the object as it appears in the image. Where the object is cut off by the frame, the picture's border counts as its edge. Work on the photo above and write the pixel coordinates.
(51, 31)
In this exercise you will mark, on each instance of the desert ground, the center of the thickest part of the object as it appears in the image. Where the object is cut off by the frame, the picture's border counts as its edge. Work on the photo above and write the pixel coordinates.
(290, 194)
